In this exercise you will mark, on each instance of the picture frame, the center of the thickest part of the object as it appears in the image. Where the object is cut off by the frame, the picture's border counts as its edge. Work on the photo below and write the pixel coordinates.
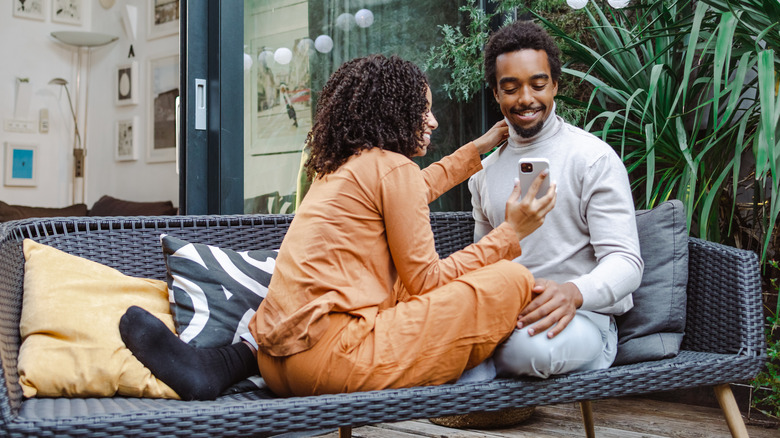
(162, 18)
(67, 11)
(32, 9)
(163, 89)
(127, 139)
(21, 167)
(127, 84)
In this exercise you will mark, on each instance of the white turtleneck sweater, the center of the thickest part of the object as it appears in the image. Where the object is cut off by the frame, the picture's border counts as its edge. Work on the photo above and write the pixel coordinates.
(590, 237)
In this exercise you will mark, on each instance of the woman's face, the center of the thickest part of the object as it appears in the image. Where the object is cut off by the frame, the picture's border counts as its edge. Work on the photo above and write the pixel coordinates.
(429, 125)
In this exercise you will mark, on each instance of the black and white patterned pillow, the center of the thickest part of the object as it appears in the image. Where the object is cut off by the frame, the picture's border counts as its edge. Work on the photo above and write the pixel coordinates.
(214, 291)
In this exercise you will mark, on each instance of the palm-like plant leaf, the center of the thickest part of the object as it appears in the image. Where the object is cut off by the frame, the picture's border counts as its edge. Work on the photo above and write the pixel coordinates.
(681, 89)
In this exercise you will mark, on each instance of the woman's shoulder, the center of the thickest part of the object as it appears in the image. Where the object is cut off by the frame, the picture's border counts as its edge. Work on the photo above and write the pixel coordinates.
(379, 160)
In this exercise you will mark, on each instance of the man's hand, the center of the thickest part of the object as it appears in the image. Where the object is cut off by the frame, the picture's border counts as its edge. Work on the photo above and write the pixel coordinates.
(554, 303)
(495, 135)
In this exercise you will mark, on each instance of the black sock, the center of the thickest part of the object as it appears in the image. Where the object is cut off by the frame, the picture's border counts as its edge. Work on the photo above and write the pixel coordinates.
(194, 373)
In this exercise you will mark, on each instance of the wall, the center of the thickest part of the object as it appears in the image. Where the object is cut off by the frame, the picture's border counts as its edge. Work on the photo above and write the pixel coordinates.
(34, 54)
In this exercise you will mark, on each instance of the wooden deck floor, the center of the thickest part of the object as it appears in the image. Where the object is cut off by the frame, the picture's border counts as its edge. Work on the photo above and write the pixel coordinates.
(614, 418)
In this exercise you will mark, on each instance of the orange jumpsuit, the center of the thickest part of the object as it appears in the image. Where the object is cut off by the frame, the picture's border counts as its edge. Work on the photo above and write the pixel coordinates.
(360, 300)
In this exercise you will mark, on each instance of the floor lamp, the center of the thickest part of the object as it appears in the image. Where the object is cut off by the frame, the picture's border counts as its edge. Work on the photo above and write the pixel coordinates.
(80, 40)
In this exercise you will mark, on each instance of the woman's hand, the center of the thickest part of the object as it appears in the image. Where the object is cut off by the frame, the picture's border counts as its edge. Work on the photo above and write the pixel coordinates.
(526, 214)
(495, 135)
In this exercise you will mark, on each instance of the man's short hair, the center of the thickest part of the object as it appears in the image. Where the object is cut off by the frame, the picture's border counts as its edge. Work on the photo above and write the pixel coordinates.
(518, 36)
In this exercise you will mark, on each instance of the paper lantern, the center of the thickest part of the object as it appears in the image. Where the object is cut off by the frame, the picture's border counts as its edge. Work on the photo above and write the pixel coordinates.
(577, 4)
(345, 21)
(283, 55)
(265, 57)
(306, 45)
(364, 18)
(618, 4)
(323, 44)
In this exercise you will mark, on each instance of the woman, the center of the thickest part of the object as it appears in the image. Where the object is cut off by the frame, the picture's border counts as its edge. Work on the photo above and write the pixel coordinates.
(359, 299)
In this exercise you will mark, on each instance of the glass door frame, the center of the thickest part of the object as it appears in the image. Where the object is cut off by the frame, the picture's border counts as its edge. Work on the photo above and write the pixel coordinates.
(211, 160)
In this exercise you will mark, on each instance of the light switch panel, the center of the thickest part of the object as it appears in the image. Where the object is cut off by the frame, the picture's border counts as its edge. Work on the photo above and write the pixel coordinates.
(43, 121)
(24, 126)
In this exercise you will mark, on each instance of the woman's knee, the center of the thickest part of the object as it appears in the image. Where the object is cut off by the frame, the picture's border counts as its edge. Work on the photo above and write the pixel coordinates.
(509, 281)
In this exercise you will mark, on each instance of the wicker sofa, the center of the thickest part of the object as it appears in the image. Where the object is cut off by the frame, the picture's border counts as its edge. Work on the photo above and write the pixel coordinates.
(723, 342)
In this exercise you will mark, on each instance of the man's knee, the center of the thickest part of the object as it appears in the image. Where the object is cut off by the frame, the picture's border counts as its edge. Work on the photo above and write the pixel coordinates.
(523, 355)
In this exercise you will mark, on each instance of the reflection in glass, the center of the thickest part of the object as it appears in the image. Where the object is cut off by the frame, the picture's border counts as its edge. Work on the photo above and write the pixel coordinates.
(295, 46)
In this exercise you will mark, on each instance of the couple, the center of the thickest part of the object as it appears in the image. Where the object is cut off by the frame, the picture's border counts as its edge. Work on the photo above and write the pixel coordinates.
(360, 300)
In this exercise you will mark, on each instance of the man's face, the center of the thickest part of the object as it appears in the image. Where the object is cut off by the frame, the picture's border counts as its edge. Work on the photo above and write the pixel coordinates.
(525, 89)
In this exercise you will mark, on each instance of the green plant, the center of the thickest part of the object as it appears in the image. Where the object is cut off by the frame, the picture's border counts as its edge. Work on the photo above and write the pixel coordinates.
(766, 386)
(460, 53)
(681, 90)
(461, 49)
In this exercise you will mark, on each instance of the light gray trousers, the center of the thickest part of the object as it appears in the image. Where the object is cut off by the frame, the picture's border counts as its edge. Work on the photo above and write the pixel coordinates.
(589, 342)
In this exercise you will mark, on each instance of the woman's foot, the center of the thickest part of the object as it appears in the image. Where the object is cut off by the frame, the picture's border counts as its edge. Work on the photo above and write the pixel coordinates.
(194, 373)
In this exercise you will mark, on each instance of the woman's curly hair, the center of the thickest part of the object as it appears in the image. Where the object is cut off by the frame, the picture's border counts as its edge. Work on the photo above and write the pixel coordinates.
(369, 102)
(518, 36)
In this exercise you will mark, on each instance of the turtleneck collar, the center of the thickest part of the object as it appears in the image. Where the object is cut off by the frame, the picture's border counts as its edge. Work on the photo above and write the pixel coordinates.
(550, 127)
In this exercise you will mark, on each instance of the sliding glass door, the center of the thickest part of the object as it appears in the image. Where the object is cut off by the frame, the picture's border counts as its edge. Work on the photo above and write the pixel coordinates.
(276, 67)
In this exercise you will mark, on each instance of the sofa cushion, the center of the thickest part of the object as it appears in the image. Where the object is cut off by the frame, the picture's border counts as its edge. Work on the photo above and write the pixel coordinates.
(69, 326)
(653, 329)
(108, 206)
(14, 212)
(214, 292)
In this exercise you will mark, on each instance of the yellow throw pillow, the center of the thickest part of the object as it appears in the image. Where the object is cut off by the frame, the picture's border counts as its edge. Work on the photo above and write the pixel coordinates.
(70, 327)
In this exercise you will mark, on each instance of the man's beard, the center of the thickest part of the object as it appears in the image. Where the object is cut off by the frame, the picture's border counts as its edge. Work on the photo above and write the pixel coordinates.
(530, 132)
(533, 130)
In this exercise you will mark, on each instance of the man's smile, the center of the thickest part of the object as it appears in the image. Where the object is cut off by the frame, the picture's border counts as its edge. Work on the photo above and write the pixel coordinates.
(528, 114)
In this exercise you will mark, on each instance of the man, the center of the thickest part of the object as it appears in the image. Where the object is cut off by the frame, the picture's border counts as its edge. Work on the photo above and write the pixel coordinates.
(585, 257)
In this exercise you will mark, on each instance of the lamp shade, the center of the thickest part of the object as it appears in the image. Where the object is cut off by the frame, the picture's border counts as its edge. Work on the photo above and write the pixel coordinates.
(83, 39)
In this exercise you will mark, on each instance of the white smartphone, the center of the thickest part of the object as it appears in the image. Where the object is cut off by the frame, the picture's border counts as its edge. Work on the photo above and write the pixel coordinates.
(529, 169)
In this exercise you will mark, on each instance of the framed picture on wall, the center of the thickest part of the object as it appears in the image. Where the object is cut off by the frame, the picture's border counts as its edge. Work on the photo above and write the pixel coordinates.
(163, 18)
(163, 80)
(127, 139)
(33, 9)
(20, 165)
(127, 84)
(67, 11)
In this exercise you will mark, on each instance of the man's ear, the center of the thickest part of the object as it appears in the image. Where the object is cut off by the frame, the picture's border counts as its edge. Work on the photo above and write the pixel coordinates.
(495, 94)
(555, 88)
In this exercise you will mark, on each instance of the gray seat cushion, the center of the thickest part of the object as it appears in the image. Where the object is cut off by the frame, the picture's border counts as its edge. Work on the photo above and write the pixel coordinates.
(653, 329)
